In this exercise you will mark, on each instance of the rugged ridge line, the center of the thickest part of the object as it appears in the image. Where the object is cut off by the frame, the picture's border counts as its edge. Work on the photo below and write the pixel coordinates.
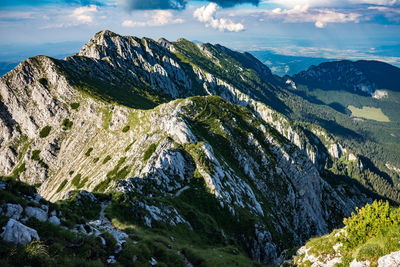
(96, 121)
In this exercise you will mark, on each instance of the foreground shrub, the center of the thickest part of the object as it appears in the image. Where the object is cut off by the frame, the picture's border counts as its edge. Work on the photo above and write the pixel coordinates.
(368, 223)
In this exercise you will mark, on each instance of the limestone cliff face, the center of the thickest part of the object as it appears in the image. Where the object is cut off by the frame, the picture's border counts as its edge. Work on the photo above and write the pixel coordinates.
(90, 122)
(29, 105)
(144, 58)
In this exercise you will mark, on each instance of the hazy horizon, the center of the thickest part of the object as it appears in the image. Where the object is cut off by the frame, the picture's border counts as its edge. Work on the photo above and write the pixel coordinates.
(351, 29)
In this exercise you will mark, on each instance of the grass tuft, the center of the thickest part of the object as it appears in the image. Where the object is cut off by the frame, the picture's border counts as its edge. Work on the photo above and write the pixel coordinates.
(74, 106)
(45, 132)
(87, 154)
(149, 151)
(66, 124)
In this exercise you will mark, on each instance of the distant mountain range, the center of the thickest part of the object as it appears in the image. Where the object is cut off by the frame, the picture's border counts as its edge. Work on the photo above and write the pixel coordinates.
(363, 77)
(11, 55)
(6, 67)
(287, 65)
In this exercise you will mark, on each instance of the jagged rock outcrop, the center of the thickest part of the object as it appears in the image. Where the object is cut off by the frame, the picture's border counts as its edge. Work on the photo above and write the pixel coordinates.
(144, 59)
(17, 233)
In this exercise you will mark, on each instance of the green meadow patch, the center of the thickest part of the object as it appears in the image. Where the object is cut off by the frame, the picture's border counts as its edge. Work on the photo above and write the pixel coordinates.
(369, 113)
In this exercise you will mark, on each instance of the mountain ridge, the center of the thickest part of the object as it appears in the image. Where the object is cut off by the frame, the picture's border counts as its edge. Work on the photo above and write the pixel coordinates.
(229, 92)
(125, 115)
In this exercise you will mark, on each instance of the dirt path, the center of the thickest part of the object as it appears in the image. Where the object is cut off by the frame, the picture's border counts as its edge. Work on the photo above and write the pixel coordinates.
(103, 219)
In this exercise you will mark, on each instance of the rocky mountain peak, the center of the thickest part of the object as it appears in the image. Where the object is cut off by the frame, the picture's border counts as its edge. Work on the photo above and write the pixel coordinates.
(108, 44)
(166, 44)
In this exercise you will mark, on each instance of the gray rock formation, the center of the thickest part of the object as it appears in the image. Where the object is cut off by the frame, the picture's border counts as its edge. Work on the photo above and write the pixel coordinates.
(54, 220)
(390, 260)
(17, 233)
(13, 211)
(37, 213)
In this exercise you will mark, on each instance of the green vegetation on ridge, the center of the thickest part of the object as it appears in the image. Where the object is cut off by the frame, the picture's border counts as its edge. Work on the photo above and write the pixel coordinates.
(370, 233)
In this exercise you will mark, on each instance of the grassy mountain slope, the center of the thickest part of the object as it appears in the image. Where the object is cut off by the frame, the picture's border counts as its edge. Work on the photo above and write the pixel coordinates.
(376, 142)
(124, 115)
(189, 175)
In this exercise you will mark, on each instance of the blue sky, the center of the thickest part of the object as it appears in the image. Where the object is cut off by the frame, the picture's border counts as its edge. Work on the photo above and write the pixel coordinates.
(353, 29)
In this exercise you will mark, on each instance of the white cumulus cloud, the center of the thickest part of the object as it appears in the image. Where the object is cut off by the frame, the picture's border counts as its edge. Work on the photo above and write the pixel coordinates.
(84, 14)
(155, 18)
(320, 24)
(330, 3)
(207, 14)
(320, 17)
(59, 18)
